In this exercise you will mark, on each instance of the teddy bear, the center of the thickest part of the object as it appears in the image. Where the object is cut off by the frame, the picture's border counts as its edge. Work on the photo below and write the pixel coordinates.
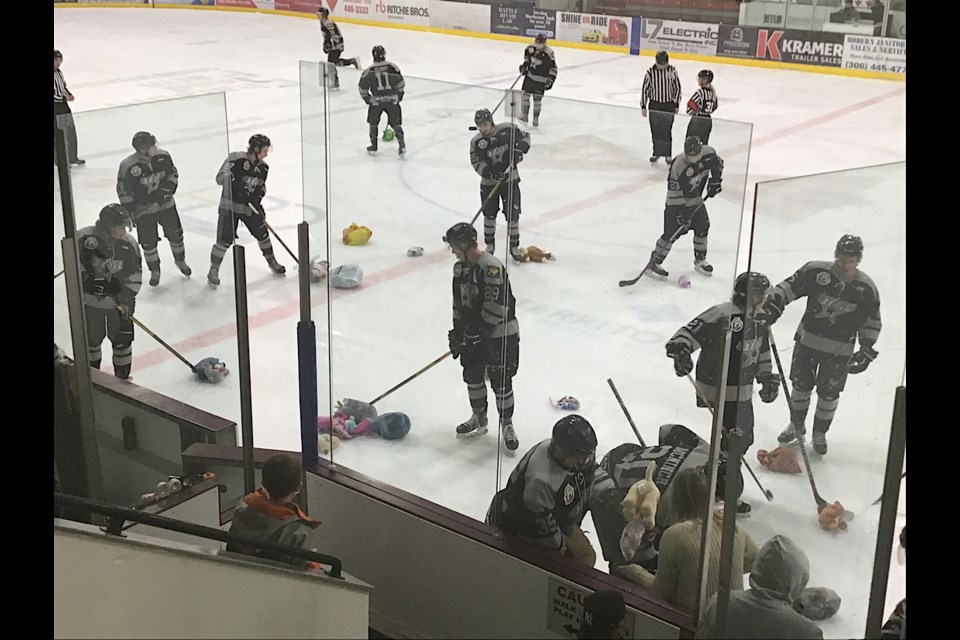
(782, 459)
(356, 235)
(344, 426)
(642, 500)
(534, 253)
(327, 443)
(831, 516)
(211, 370)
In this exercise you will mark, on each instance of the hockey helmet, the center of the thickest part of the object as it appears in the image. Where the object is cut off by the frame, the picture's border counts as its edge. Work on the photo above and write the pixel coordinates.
(324, 12)
(706, 73)
(112, 216)
(379, 53)
(258, 141)
(461, 236)
(481, 116)
(662, 57)
(573, 435)
(750, 285)
(849, 245)
(143, 140)
(57, 55)
(692, 145)
(541, 38)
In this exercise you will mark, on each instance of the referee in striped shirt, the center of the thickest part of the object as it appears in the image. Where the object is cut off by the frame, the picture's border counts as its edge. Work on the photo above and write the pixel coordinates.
(701, 106)
(661, 94)
(61, 110)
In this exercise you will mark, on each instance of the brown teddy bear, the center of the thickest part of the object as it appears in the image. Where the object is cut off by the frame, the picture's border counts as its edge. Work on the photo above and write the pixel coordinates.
(831, 517)
(782, 459)
(534, 253)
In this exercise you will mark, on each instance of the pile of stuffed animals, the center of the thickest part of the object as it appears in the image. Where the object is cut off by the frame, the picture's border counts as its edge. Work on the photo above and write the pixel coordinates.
(344, 426)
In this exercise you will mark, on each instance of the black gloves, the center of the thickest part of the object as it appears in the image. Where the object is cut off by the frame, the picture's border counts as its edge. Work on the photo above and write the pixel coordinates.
(713, 187)
(517, 156)
(861, 360)
(524, 67)
(102, 286)
(770, 389)
(549, 85)
(455, 340)
(682, 362)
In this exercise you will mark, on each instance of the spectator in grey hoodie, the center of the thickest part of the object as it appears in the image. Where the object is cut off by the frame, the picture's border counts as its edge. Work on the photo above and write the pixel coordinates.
(780, 572)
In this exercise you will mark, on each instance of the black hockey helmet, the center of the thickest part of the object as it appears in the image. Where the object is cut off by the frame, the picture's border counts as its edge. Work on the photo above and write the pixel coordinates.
(662, 57)
(461, 236)
(323, 11)
(57, 54)
(706, 73)
(750, 285)
(541, 38)
(114, 215)
(692, 145)
(573, 435)
(143, 140)
(379, 53)
(481, 116)
(257, 142)
(849, 245)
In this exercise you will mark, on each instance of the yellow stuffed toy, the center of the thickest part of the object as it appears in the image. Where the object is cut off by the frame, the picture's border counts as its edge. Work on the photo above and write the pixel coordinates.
(355, 235)
(578, 547)
(327, 443)
(534, 253)
(642, 500)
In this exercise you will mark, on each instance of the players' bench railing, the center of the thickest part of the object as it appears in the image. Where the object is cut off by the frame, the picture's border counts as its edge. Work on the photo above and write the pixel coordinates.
(117, 516)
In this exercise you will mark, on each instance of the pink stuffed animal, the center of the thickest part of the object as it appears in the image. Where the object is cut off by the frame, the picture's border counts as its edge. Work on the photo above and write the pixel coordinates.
(343, 426)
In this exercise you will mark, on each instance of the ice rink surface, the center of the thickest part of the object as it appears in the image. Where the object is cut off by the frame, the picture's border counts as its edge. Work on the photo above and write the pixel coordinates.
(589, 195)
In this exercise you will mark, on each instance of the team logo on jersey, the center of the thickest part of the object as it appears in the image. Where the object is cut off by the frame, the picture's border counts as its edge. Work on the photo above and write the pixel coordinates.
(457, 269)
(691, 171)
(736, 324)
(135, 171)
(493, 272)
(568, 495)
(90, 243)
(482, 144)
(246, 165)
(823, 278)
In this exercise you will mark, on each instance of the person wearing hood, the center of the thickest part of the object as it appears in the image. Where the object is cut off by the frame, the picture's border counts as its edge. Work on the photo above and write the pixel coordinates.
(780, 573)
(270, 515)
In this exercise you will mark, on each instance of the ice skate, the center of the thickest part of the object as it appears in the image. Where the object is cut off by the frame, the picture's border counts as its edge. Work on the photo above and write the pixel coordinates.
(213, 277)
(476, 425)
(536, 121)
(704, 267)
(372, 149)
(653, 159)
(402, 150)
(516, 254)
(510, 437)
(276, 267)
(743, 508)
(790, 434)
(658, 272)
(154, 277)
(820, 442)
(184, 268)
(491, 247)
(524, 119)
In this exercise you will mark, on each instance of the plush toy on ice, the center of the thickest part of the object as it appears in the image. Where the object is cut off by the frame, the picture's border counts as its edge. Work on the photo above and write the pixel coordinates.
(356, 235)
(343, 426)
(782, 459)
(534, 253)
(211, 370)
(346, 276)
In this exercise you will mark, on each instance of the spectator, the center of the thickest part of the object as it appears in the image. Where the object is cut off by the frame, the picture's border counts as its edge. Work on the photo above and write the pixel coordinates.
(677, 578)
(850, 13)
(877, 11)
(61, 110)
(780, 572)
(603, 611)
(269, 514)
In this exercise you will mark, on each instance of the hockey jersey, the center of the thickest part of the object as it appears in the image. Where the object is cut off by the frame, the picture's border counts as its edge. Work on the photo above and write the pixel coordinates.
(687, 180)
(703, 102)
(483, 301)
(110, 269)
(244, 181)
(146, 185)
(838, 313)
(492, 154)
(382, 83)
(540, 69)
(542, 501)
(332, 38)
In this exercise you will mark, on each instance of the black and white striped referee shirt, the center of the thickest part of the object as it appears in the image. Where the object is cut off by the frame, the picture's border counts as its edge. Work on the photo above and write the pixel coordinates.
(660, 85)
(60, 91)
(703, 102)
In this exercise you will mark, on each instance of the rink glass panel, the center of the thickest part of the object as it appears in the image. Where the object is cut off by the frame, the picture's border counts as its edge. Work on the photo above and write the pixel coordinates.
(184, 312)
(61, 312)
(795, 221)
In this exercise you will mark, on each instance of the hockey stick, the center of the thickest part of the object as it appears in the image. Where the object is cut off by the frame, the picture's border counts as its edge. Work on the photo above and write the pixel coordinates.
(766, 492)
(158, 339)
(633, 426)
(58, 274)
(492, 193)
(367, 407)
(474, 127)
(275, 234)
(880, 499)
(676, 234)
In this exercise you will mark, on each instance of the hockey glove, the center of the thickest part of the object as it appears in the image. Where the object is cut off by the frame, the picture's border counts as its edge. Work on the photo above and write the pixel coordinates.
(498, 175)
(861, 360)
(517, 156)
(682, 362)
(713, 187)
(256, 202)
(524, 67)
(125, 311)
(455, 340)
(770, 388)
(549, 85)
(768, 314)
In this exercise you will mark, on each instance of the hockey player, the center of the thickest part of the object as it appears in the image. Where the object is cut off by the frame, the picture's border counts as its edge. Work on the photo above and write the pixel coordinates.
(333, 45)
(545, 499)
(110, 270)
(685, 207)
(146, 183)
(749, 356)
(539, 71)
(495, 153)
(381, 87)
(485, 334)
(243, 177)
(843, 306)
(701, 106)
(661, 94)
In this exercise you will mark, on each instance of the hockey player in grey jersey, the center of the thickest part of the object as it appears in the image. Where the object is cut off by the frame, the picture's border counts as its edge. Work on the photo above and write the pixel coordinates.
(485, 334)
(243, 177)
(685, 208)
(495, 153)
(381, 87)
(843, 306)
(333, 45)
(539, 71)
(546, 496)
(146, 183)
(110, 270)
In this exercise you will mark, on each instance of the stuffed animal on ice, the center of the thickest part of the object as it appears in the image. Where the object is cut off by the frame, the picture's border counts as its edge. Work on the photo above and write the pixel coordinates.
(782, 459)
(343, 426)
(817, 603)
(831, 517)
(642, 500)
(356, 235)
(318, 270)
(534, 253)
(211, 370)
(327, 443)
(346, 276)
